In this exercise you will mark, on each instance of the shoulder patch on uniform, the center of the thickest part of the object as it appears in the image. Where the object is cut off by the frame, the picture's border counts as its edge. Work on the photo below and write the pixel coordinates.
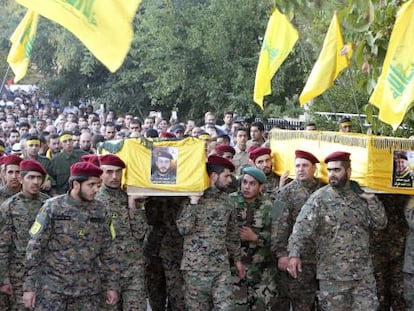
(35, 229)
(38, 225)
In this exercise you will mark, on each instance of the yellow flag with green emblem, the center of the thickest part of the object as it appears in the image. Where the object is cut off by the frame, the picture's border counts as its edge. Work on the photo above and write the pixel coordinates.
(22, 43)
(394, 93)
(279, 39)
(334, 57)
(104, 27)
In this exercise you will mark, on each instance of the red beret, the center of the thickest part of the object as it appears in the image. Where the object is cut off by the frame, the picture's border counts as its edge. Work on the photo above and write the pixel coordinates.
(91, 158)
(251, 148)
(12, 159)
(111, 159)
(85, 169)
(306, 155)
(224, 148)
(217, 160)
(338, 156)
(257, 152)
(2, 160)
(167, 135)
(32, 165)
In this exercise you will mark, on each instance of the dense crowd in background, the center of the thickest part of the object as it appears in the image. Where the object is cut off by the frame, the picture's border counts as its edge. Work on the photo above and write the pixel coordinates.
(161, 241)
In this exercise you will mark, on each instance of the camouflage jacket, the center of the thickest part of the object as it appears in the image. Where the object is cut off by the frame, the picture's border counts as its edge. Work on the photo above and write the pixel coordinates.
(5, 193)
(339, 221)
(257, 216)
(17, 215)
(288, 203)
(129, 225)
(210, 233)
(70, 250)
(409, 243)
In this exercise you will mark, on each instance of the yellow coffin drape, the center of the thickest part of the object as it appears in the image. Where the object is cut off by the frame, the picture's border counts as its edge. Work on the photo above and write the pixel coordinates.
(371, 156)
(188, 160)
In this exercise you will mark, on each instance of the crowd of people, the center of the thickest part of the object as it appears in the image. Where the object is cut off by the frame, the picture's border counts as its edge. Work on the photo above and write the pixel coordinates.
(73, 239)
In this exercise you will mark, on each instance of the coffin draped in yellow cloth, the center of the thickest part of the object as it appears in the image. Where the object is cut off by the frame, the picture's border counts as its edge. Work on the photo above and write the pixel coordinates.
(184, 170)
(374, 158)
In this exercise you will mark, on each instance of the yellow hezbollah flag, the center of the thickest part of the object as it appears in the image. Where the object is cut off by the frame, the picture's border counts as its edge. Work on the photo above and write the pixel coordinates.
(104, 27)
(333, 58)
(279, 39)
(394, 92)
(22, 43)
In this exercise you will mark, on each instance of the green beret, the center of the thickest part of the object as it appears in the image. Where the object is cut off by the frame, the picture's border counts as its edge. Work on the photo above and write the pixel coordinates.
(255, 173)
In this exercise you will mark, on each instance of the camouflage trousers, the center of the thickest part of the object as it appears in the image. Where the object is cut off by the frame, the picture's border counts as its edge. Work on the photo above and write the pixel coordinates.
(155, 283)
(175, 283)
(207, 290)
(4, 302)
(50, 301)
(132, 296)
(300, 293)
(257, 291)
(348, 295)
(409, 291)
(390, 282)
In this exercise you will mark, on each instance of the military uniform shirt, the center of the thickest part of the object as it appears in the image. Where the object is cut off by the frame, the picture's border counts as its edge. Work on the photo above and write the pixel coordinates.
(210, 233)
(70, 248)
(17, 215)
(289, 201)
(129, 226)
(338, 220)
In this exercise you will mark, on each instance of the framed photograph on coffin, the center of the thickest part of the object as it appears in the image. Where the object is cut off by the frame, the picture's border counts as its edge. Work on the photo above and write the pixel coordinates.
(161, 167)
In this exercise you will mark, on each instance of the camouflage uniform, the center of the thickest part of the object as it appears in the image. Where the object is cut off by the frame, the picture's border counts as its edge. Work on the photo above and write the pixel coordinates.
(272, 184)
(339, 221)
(130, 227)
(258, 290)
(17, 214)
(5, 193)
(70, 255)
(387, 249)
(408, 268)
(60, 169)
(154, 270)
(300, 292)
(171, 253)
(210, 239)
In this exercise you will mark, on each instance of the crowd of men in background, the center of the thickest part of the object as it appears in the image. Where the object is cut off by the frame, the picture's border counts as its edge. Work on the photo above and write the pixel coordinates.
(253, 241)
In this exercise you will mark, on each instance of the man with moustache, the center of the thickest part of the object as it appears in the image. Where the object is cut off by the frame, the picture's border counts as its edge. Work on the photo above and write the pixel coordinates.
(295, 294)
(17, 214)
(11, 173)
(338, 219)
(70, 256)
(130, 226)
(261, 158)
(208, 225)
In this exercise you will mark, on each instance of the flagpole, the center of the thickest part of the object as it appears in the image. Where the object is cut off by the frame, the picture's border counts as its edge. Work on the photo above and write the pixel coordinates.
(4, 79)
(355, 99)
